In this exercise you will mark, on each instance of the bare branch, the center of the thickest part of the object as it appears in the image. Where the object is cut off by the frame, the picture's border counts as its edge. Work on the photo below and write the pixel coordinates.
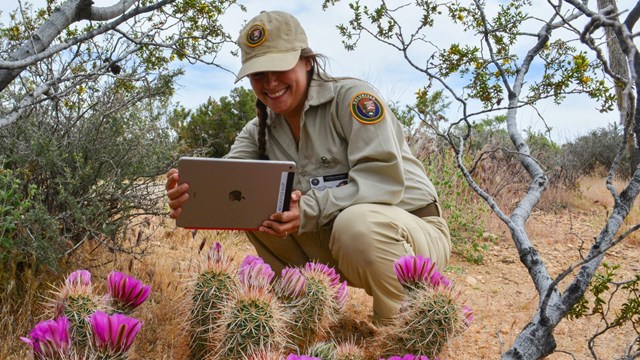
(38, 48)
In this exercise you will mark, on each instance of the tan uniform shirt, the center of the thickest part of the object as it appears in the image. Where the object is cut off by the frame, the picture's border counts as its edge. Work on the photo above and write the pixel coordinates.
(376, 157)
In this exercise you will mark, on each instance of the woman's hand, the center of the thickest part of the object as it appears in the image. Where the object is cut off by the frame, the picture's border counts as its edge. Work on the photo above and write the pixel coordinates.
(177, 194)
(284, 223)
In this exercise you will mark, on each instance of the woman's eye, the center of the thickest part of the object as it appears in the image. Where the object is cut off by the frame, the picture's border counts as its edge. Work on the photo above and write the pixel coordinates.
(258, 75)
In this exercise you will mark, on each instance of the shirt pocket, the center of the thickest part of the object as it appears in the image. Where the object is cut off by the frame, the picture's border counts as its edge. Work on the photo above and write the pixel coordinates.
(332, 159)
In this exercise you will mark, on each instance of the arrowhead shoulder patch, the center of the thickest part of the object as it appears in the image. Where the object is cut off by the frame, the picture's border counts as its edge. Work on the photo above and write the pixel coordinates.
(366, 108)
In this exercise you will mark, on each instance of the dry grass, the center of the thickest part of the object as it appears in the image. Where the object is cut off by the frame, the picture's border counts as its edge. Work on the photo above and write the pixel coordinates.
(498, 290)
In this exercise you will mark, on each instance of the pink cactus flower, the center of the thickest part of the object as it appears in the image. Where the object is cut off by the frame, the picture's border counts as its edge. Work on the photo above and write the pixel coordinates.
(79, 277)
(214, 255)
(408, 357)
(126, 291)
(250, 260)
(50, 339)
(301, 357)
(416, 271)
(468, 315)
(255, 272)
(292, 283)
(342, 295)
(334, 278)
(113, 334)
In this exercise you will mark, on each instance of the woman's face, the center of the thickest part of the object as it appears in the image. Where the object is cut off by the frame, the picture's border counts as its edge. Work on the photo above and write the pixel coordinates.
(284, 92)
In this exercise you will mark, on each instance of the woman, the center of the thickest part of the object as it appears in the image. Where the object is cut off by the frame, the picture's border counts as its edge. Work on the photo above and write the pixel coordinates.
(362, 200)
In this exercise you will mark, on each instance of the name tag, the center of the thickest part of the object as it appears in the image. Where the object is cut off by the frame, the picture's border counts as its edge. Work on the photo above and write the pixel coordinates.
(329, 181)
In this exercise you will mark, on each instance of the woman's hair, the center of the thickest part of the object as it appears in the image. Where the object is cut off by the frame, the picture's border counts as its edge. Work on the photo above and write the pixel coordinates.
(318, 67)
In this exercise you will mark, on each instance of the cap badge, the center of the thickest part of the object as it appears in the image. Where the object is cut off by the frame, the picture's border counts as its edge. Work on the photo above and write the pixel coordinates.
(256, 35)
(366, 108)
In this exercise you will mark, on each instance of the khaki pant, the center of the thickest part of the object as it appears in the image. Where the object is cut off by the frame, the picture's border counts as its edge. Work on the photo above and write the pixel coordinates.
(362, 246)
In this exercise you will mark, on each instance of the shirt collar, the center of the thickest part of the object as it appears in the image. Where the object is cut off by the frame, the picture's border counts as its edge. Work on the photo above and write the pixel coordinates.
(320, 91)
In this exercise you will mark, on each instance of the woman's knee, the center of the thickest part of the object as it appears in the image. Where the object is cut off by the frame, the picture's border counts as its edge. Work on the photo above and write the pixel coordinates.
(353, 221)
(352, 236)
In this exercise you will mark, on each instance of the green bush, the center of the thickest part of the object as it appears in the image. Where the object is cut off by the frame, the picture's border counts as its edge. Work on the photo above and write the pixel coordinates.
(465, 216)
(83, 177)
(27, 238)
(212, 127)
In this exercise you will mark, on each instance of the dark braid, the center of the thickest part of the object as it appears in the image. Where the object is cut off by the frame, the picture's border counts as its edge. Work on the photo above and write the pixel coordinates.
(262, 131)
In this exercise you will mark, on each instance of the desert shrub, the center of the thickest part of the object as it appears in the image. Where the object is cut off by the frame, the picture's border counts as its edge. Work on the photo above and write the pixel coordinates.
(22, 251)
(27, 234)
(592, 153)
(465, 216)
(86, 173)
(497, 164)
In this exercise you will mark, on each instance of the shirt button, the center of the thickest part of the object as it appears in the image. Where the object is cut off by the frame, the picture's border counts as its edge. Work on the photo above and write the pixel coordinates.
(303, 173)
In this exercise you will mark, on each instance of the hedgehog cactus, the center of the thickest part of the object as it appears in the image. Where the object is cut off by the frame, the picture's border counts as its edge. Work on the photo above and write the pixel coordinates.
(210, 291)
(407, 357)
(318, 308)
(415, 272)
(266, 354)
(429, 318)
(291, 285)
(302, 357)
(253, 319)
(432, 312)
(348, 351)
(76, 301)
(325, 350)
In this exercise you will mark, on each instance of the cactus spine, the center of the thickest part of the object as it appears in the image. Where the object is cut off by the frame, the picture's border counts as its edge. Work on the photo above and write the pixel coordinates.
(210, 292)
(253, 319)
(427, 321)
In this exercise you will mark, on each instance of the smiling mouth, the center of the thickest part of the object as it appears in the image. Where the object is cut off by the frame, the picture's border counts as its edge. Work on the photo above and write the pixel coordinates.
(277, 93)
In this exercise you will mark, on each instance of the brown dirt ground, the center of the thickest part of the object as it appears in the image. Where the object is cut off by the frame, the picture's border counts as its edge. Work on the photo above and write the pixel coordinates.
(499, 291)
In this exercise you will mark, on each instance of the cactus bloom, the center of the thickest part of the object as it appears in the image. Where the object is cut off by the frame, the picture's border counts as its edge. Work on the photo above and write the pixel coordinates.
(468, 315)
(214, 255)
(408, 357)
(334, 278)
(416, 271)
(50, 338)
(301, 357)
(342, 295)
(113, 334)
(255, 272)
(292, 283)
(127, 291)
(79, 277)
(250, 260)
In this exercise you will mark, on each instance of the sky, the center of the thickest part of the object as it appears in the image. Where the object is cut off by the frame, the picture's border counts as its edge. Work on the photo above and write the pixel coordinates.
(382, 66)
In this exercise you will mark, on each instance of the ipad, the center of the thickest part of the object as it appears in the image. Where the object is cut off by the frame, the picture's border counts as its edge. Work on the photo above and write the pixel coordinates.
(227, 194)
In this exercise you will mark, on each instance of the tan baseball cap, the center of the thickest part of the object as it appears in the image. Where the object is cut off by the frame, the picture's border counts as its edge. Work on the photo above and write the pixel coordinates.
(270, 41)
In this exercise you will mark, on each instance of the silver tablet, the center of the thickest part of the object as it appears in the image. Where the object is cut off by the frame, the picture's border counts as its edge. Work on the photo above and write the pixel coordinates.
(233, 194)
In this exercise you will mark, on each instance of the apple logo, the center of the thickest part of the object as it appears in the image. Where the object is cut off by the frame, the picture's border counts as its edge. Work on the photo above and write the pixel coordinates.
(235, 195)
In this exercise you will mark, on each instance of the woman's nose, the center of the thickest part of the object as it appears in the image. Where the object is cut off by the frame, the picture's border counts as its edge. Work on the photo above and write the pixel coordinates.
(270, 77)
